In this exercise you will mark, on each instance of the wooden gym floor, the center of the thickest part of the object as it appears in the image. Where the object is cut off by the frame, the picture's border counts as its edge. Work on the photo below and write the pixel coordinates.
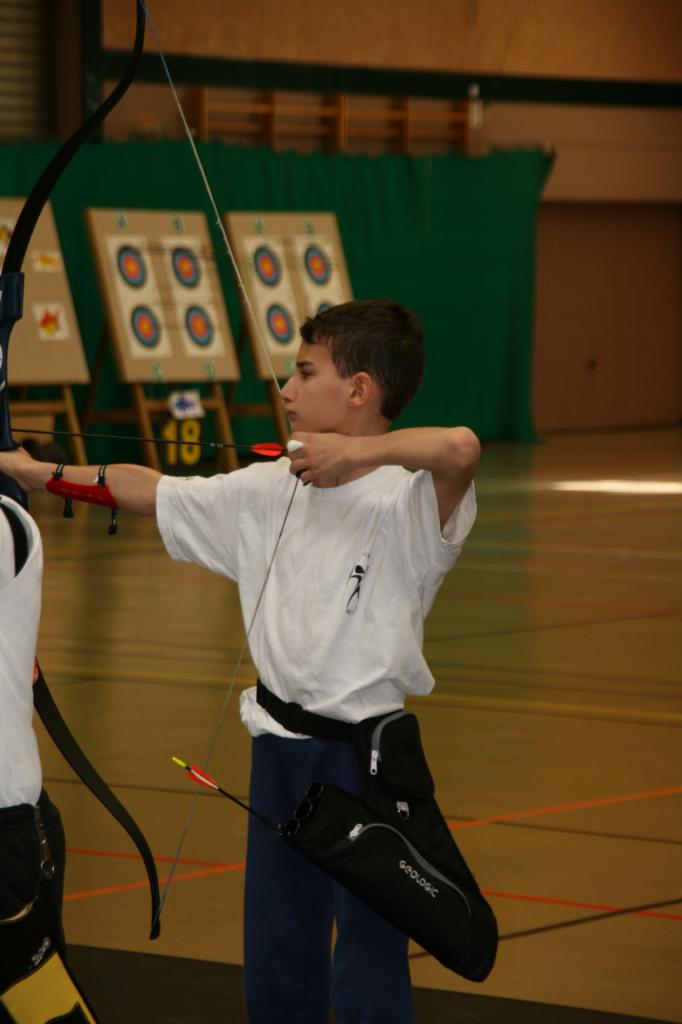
(553, 733)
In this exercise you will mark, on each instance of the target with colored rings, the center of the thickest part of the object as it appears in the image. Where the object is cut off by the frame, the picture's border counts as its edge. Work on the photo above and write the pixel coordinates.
(199, 326)
(131, 266)
(186, 267)
(323, 307)
(146, 327)
(317, 264)
(280, 324)
(267, 265)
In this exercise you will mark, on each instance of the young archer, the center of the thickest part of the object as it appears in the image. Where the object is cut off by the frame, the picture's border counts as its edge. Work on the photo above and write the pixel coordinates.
(339, 629)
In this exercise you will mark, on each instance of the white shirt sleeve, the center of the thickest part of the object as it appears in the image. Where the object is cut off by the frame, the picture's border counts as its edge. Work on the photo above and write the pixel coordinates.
(198, 519)
(428, 551)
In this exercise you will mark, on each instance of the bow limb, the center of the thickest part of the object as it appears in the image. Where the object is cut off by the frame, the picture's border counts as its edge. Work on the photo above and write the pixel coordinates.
(11, 308)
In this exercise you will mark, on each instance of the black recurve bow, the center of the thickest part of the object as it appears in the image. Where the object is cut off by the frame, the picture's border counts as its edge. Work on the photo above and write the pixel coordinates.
(11, 308)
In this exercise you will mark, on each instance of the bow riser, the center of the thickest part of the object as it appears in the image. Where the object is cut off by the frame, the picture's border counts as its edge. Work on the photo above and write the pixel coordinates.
(11, 310)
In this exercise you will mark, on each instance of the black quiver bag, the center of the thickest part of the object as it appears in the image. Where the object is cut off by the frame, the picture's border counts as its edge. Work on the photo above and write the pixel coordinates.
(394, 851)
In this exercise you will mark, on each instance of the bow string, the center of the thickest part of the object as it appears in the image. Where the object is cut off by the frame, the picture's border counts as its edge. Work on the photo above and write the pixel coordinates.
(258, 333)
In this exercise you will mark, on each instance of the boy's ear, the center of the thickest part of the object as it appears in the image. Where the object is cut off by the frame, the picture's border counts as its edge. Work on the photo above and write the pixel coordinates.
(362, 388)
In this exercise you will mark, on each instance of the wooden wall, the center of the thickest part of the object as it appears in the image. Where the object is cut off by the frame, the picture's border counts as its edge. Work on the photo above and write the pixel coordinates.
(610, 39)
(608, 317)
(603, 154)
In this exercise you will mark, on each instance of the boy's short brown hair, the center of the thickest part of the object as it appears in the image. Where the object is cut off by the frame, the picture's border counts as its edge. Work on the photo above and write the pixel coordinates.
(374, 336)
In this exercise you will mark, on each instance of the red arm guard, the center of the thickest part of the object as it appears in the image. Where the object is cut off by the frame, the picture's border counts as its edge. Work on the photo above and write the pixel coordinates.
(95, 494)
(92, 493)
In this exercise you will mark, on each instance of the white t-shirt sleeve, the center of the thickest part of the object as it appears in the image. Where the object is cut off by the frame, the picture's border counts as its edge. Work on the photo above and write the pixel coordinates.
(428, 551)
(198, 519)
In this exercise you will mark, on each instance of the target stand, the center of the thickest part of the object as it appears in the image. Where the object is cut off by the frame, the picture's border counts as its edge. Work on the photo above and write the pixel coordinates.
(293, 267)
(166, 321)
(47, 350)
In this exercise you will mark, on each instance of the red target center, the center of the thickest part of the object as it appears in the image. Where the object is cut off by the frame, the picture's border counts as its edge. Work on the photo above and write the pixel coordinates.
(145, 326)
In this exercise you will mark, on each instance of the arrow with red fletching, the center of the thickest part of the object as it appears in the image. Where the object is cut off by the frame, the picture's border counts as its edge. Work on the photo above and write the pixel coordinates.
(269, 449)
(198, 774)
(202, 778)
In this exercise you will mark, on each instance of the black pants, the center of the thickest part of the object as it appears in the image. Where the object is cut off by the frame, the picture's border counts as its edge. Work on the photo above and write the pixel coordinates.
(23, 881)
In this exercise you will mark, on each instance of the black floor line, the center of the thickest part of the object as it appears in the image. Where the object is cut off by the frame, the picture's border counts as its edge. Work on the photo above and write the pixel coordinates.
(591, 919)
(573, 922)
(590, 833)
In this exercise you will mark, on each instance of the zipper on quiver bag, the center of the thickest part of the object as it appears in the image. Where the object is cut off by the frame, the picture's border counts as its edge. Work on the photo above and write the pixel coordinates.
(397, 765)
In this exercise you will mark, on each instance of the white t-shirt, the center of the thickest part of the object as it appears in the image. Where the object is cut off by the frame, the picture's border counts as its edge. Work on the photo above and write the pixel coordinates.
(340, 624)
(20, 774)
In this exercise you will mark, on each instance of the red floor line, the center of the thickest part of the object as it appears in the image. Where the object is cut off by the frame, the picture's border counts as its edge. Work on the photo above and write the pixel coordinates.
(124, 855)
(491, 893)
(554, 901)
(129, 886)
(578, 805)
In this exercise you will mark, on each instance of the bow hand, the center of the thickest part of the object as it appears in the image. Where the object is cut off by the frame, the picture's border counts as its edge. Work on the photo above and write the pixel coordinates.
(20, 467)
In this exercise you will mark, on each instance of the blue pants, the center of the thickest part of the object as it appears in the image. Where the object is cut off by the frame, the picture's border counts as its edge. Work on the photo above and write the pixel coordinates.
(291, 973)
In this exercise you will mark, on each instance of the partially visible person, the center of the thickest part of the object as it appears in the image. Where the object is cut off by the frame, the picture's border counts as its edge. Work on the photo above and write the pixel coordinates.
(35, 984)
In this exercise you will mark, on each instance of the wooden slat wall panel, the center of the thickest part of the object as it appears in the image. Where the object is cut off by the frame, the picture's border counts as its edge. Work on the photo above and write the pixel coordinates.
(25, 63)
(608, 321)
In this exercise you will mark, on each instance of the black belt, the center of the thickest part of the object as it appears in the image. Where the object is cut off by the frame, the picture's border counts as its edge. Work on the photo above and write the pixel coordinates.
(296, 719)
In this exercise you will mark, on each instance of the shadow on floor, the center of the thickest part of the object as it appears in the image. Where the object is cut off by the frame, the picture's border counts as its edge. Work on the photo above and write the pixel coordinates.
(141, 988)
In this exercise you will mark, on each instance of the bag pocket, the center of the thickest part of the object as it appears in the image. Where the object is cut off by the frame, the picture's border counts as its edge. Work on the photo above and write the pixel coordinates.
(396, 756)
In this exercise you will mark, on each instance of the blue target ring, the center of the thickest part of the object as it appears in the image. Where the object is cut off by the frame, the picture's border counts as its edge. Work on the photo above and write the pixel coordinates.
(131, 266)
(267, 265)
(323, 307)
(280, 324)
(199, 326)
(145, 325)
(317, 264)
(186, 267)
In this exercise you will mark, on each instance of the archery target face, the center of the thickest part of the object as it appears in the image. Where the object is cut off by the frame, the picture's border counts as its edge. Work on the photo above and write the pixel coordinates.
(199, 326)
(280, 324)
(272, 295)
(316, 267)
(317, 264)
(145, 326)
(186, 266)
(131, 266)
(267, 266)
(47, 349)
(51, 321)
(138, 296)
(195, 316)
(47, 261)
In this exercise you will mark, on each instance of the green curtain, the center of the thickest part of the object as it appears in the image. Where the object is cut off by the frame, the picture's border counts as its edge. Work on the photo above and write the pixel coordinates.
(452, 238)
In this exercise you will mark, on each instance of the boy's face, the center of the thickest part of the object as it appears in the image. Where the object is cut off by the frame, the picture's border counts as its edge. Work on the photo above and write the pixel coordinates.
(316, 399)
